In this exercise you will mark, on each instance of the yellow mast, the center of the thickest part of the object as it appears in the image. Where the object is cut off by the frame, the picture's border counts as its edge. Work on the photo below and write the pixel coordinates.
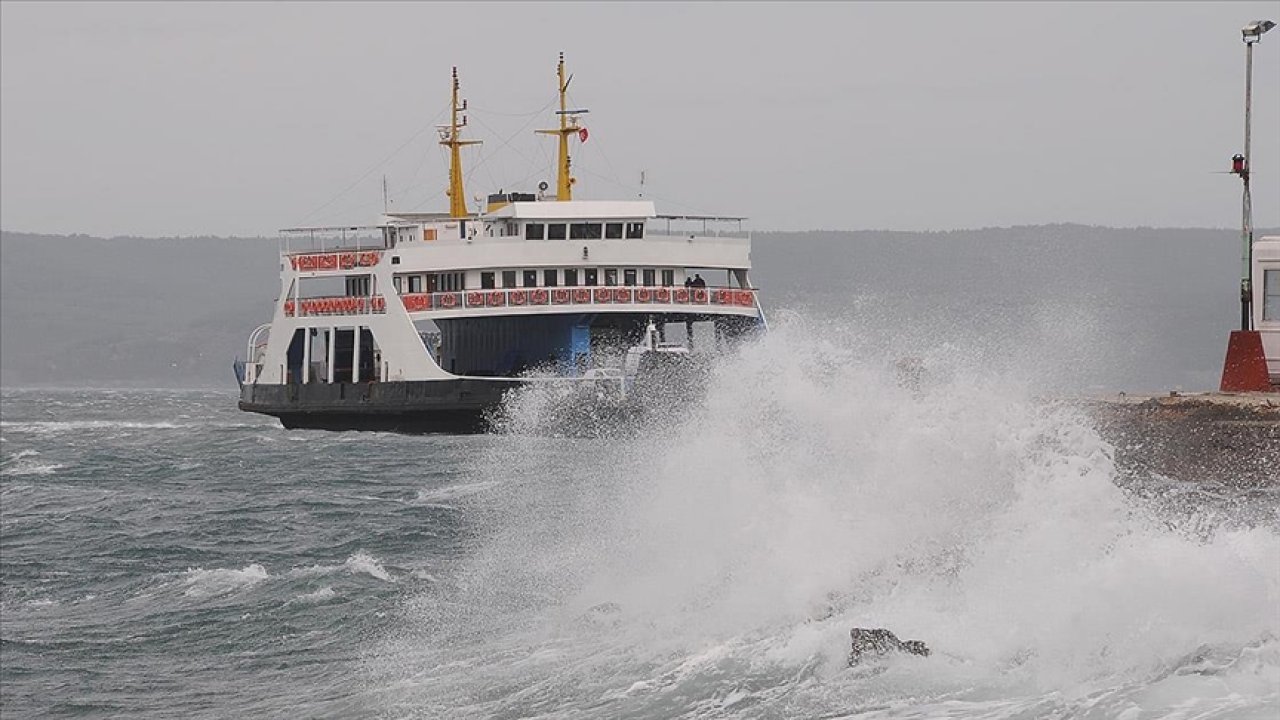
(568, 126)
(449, 137)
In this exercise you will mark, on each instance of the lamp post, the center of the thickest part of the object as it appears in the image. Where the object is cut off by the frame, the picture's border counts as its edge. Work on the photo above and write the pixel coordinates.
(1251, 34)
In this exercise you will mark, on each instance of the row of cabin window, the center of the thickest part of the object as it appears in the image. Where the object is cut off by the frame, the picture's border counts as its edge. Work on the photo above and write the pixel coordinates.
(588, 276)
(583, 231)
(434, 282)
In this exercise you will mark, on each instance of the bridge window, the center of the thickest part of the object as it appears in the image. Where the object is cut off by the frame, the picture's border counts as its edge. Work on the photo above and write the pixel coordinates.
(555, 231)
(589, 276)
(550, 278)
(508, 278)
(531, 278)
(571, 277)
(415, 283)
(629, 276)
(486, 281)
(668, 277)
(1270, 295)
(611, 276)
(635, 230)
(533, 231)
(584, 231)
(648, 277)
(613, 231)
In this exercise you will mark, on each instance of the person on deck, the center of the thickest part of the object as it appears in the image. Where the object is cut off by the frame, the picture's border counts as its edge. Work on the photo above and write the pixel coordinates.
(698, 281)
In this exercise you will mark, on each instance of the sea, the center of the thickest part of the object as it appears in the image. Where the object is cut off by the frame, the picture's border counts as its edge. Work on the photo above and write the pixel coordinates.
(166, 555)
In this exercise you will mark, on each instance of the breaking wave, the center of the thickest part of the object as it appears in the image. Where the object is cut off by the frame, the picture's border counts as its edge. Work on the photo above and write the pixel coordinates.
(711, 561)
(222, 581)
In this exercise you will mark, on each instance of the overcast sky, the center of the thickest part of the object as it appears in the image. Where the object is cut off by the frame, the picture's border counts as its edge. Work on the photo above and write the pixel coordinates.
(241, 118)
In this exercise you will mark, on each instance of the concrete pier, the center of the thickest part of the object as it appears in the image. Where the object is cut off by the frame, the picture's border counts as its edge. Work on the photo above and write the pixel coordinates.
(1233, 439)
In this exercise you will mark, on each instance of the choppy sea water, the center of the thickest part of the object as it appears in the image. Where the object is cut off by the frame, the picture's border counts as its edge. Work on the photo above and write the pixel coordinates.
(164, 554)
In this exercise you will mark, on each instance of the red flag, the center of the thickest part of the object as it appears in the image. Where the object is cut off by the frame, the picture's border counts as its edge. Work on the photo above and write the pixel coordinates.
(582, 134)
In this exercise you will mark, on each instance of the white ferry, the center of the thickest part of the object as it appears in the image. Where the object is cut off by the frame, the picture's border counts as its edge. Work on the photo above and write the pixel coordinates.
(424, 321)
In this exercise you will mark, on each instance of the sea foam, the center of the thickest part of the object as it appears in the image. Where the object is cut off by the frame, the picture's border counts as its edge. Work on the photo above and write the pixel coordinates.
(813, 490)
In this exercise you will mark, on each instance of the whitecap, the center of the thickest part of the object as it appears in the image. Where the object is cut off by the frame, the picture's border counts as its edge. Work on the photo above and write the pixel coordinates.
(67, 425)
(220, 581)
(361, 563)
(323, 595)
(30, 468)
(364, 563)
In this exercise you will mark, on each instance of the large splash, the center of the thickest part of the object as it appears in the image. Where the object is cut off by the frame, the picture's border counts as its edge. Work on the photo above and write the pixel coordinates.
(711, 561)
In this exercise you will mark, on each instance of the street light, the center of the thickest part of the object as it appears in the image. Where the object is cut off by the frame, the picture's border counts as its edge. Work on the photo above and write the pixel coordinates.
(1255, 29)
(1251, 34)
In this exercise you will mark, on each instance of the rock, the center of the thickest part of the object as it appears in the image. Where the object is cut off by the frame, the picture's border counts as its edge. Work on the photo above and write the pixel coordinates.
(878, 642)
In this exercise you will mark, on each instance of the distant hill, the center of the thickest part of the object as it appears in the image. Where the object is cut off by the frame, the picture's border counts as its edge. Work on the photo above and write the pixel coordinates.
(1100, 308)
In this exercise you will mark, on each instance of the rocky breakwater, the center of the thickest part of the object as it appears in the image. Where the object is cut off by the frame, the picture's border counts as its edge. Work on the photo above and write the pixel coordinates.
(1207, 437)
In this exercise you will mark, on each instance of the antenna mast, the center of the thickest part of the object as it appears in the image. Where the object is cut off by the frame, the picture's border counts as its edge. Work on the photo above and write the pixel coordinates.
(450, 138)
(568, 126)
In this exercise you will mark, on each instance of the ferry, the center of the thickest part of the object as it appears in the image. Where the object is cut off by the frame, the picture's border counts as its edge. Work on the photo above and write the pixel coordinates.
(425, 322)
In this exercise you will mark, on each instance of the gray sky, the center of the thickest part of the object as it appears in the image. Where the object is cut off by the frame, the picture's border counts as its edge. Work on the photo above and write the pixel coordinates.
(240, 118)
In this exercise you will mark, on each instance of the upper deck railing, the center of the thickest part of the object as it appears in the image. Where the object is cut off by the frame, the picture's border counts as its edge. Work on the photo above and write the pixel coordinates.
(597, 296)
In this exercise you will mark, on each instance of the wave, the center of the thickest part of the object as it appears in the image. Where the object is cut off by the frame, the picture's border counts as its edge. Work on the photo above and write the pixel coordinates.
(222, 581)
(360, 563)
(22, 463)
(713, 560)
(323, 595)
(57, 426)
(69, 425)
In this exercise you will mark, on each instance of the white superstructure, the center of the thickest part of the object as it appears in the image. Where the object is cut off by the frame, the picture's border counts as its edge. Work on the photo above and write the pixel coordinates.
(531, 280)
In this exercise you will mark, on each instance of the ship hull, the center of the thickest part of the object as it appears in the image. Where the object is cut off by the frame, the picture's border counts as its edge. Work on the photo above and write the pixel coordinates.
(447, 406)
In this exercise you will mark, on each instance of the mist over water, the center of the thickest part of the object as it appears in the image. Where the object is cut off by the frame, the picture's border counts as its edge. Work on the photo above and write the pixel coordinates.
(712, 561)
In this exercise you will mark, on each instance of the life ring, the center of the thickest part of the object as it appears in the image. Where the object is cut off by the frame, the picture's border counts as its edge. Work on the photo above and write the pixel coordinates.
(700, 295)
(603, 295)
(644, 295)
(449, 300)
(538, 297)
(724, 296)
(495, 298)
(582, 296)
(475, 299)
(560, 297)
(682, 295)
(746, 298)
(663, 295)
(622, 295)
(347, 260)
(519, 297)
